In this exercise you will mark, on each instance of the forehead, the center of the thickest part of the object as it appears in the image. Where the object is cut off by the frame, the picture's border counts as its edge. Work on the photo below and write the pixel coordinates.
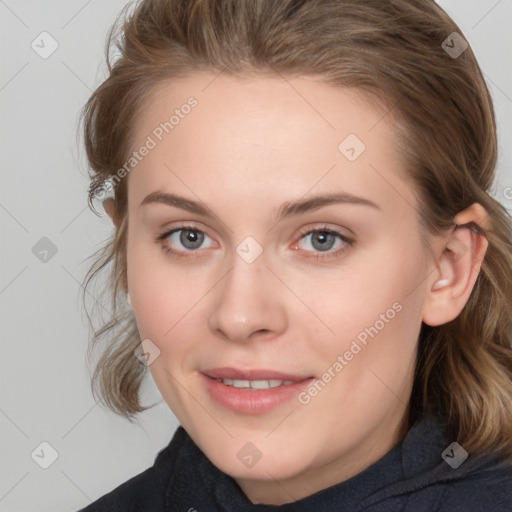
(251, 131)
(303, 102)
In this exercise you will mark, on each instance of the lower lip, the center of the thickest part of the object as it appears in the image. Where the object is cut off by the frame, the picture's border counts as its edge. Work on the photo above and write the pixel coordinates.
(252, 401)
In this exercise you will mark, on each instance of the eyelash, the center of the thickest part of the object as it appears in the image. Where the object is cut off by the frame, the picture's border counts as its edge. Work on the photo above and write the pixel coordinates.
(348, 242)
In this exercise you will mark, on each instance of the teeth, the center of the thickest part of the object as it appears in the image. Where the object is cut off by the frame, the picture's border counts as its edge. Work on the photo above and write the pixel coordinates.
(256, 384)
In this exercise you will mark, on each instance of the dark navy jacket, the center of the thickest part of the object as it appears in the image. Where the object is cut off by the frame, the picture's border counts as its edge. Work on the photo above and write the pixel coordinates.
(412, 477)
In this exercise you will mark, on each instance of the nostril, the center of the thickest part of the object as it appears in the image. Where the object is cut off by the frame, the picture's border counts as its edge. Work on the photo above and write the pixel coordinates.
(262, 332)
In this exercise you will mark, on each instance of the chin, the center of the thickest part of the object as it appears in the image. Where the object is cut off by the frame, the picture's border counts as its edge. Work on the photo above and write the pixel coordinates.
(257, 461)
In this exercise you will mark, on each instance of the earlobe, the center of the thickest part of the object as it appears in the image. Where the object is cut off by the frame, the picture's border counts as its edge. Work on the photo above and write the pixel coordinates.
(458, 266)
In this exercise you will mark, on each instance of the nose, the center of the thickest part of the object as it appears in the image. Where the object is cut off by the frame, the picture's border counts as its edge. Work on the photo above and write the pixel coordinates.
(248, 303)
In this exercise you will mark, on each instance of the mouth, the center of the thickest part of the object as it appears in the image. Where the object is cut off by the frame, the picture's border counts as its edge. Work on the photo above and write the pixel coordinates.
(252, 391)
(256, 384)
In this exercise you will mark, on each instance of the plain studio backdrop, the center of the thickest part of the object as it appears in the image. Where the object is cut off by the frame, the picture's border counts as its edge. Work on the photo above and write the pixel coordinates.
(44, 388)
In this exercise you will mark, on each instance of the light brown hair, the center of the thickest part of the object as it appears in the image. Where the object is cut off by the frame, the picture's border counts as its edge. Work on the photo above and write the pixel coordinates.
(389, 50)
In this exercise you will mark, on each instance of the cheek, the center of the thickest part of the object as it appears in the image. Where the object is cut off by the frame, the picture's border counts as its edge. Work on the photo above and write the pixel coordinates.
(163, 313)
(163, 293)
(379, 294)
(377, 336)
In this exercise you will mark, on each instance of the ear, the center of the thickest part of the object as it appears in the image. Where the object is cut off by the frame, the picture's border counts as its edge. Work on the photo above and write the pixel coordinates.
(110, 207)
(458, 261)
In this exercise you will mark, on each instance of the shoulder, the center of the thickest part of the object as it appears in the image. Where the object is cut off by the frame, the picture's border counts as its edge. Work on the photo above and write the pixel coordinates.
(429, 483)
(131, 496)
(482, 482)
(145, 491)
(488, 487)
(489, 490)
(485, 485)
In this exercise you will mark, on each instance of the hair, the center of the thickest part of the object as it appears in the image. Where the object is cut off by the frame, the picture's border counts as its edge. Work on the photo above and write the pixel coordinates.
(392, 52)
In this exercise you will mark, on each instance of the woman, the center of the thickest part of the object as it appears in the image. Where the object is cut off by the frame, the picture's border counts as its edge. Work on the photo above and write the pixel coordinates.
(319, 280)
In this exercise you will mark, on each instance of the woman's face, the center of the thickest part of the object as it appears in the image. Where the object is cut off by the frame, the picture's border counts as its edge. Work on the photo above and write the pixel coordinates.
(294, 266)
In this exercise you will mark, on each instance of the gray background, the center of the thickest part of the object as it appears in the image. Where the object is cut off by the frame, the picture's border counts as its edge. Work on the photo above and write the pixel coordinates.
(45, 394)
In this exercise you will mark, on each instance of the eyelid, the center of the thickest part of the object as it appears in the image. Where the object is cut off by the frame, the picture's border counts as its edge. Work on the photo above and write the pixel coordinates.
(322, 226)
(193, 226)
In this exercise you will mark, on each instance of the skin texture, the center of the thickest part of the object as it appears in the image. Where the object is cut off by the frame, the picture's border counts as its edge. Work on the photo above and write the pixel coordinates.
(249, 146)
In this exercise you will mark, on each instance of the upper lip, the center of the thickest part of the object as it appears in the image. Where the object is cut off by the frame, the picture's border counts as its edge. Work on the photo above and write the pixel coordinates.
(251, 374)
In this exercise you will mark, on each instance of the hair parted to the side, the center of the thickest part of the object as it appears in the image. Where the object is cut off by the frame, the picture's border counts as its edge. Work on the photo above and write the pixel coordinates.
(391, 51)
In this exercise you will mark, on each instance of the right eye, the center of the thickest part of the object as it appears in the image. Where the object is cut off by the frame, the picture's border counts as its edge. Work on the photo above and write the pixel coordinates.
(183, 239)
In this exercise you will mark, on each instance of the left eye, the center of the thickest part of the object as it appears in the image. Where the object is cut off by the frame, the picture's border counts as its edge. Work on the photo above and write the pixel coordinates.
(323, 240)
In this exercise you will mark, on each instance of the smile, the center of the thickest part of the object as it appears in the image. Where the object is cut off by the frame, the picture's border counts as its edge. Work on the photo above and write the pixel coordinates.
(252, 391)
(256, 384)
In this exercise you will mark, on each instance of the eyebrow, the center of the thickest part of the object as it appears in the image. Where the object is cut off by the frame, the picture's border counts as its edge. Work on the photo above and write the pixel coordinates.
(287, 209)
